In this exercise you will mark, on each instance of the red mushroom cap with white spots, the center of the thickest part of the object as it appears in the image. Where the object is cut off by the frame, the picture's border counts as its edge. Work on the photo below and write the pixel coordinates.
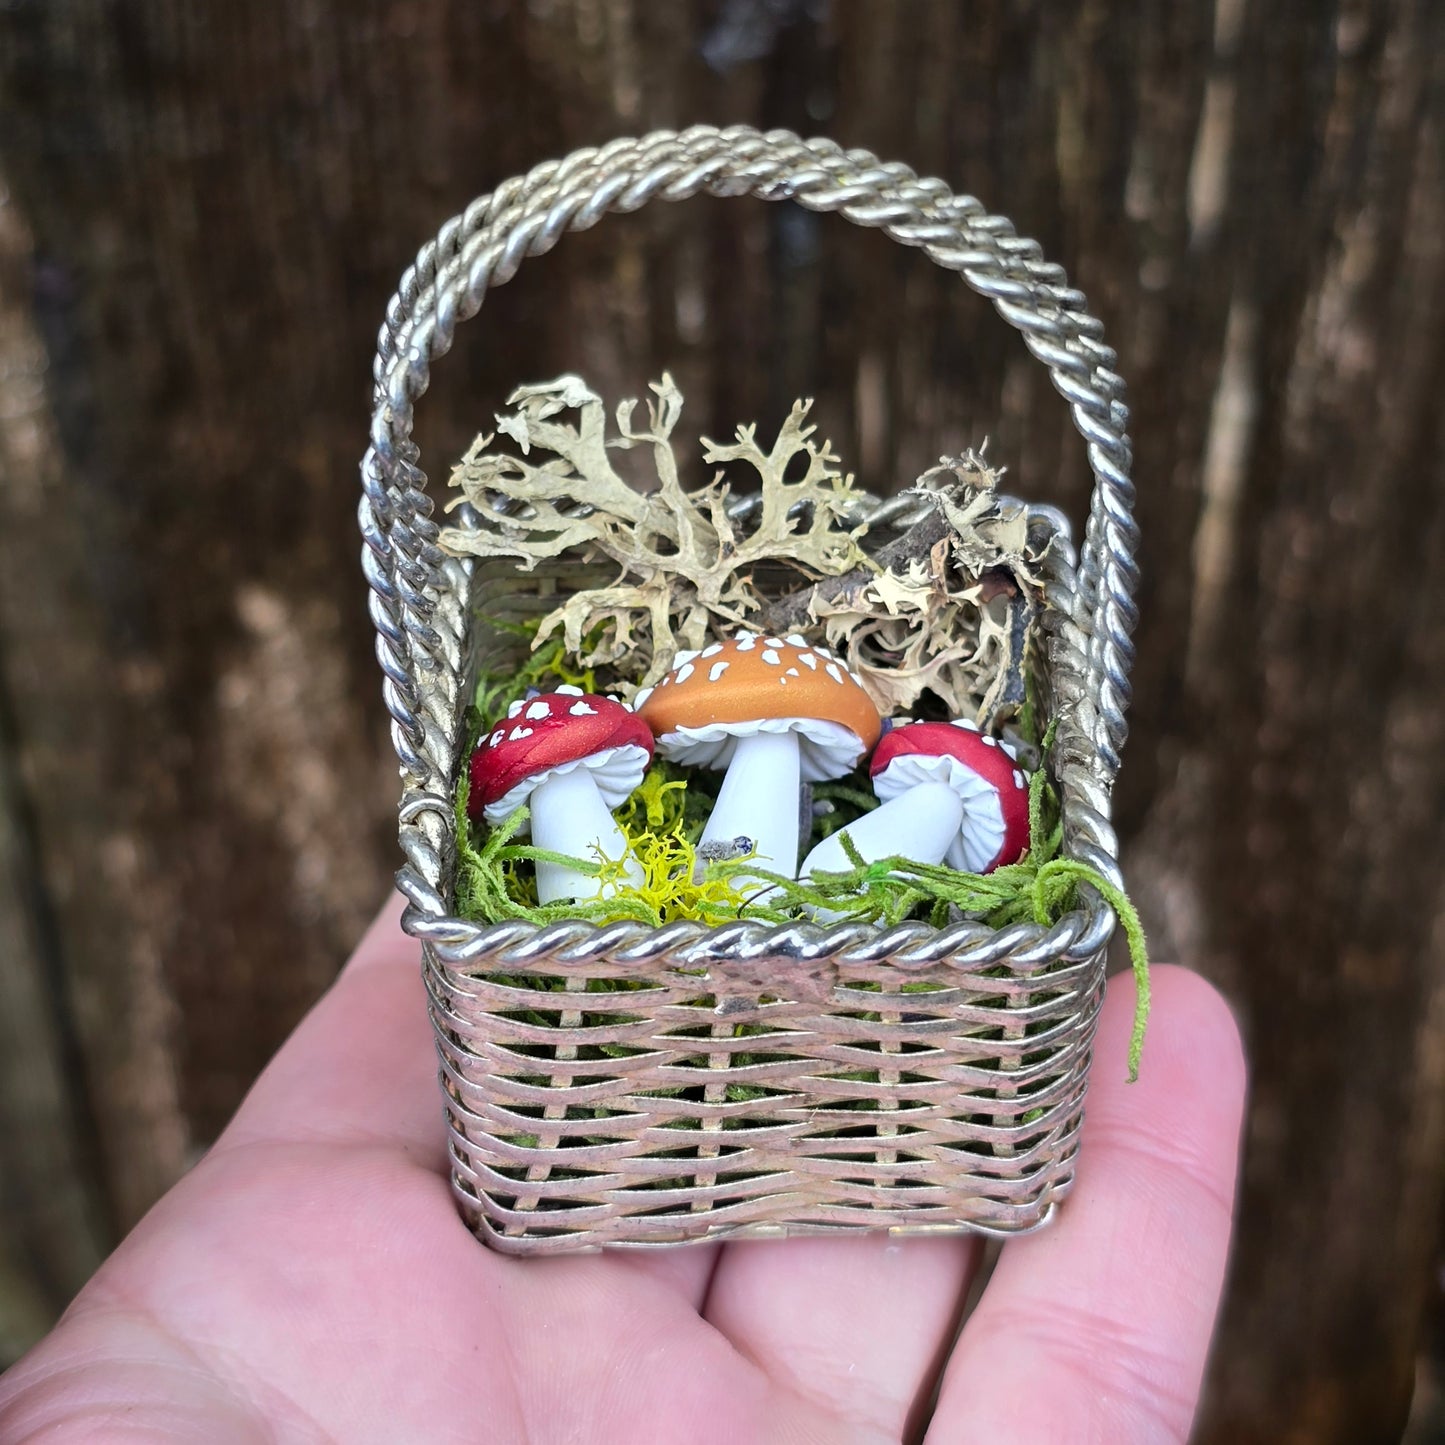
(555, 732)
(979, 768)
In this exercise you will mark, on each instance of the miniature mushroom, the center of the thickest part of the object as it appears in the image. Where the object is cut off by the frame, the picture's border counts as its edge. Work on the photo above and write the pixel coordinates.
(574, 757)
(775, 712)
(921, 826)
(981, 770)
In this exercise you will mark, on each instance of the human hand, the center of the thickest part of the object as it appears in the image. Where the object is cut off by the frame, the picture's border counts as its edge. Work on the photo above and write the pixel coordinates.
(310, 1280)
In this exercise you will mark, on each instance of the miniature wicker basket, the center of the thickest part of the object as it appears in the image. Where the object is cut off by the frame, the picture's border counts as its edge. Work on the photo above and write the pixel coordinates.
(748, 1080)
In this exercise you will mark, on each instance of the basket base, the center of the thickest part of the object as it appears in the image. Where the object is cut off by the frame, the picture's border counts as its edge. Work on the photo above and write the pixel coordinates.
(562, 1232)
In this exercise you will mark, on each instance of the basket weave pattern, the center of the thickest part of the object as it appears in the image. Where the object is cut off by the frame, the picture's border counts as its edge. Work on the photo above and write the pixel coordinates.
(619, 1084)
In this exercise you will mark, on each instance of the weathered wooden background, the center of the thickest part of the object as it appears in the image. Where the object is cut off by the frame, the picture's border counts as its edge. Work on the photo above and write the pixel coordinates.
(202, 212)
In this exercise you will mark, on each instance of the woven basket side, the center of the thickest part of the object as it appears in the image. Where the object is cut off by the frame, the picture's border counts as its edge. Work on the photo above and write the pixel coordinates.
(671, 1112)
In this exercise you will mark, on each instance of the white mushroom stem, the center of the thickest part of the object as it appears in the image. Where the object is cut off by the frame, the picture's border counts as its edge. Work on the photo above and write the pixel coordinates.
(919, 825)
(759, 800)
(569, 816)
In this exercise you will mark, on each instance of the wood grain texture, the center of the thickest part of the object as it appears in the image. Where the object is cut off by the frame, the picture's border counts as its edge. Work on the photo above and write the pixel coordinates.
(92, 1128)
(213, 204)
(52, 1236)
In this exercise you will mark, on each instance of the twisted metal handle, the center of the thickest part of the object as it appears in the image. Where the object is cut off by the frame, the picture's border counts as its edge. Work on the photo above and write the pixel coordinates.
(528, 215)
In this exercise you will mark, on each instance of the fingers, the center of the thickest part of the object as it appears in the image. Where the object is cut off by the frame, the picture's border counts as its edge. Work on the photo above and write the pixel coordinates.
(1097, 1328)
(361, 1067)
(856, 1327)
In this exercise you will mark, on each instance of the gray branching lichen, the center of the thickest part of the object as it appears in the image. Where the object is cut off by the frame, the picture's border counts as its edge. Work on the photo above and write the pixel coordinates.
(936, 621)
(952, 618)
(684, 564)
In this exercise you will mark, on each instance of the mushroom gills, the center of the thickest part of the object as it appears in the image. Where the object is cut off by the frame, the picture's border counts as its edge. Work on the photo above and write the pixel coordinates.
(570, 816)
(976, 848)
(920, 826)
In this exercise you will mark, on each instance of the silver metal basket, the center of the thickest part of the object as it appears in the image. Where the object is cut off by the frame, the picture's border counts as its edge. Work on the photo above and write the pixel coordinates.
(621, 1085)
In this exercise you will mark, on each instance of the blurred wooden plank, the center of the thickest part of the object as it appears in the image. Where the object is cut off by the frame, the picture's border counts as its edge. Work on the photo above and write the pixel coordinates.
(53, 1236)
(25, 1312)
(51, 1195)
(91, 1018)
(1317, 742)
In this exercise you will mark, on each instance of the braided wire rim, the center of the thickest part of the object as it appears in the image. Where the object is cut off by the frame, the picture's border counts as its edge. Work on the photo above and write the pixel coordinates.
(910, 947)
(526, 216)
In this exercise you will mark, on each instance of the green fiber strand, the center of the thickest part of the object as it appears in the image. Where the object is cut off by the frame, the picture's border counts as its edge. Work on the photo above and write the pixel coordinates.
(1076, 873)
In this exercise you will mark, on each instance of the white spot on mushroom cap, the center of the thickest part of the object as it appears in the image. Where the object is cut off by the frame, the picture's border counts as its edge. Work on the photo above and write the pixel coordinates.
(582, 709)
(792, 672)
(990, 742)
(518, 733)
(497, 737)
(774, 642)
(539, 709)
(712, 651)
(834, 672)
(641, 697)
(1018, 778)
(515, 708)
(684, 672)
(682, 657)
(771, 657)
(746, 642)
(808, 661)
(796, 639)
(716, 670)
(966, 724)
(567, 690)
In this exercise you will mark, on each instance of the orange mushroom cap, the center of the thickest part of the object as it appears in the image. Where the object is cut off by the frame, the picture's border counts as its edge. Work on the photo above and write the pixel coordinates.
(749, 682)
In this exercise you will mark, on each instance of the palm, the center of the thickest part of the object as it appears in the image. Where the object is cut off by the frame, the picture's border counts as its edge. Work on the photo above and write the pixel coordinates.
(310, 1280)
